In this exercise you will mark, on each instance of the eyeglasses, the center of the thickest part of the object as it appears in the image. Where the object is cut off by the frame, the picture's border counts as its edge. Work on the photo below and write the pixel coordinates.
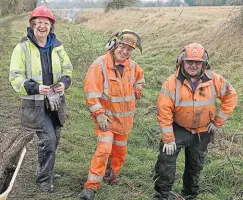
(192, 62)
(125, 46)
(42, 23)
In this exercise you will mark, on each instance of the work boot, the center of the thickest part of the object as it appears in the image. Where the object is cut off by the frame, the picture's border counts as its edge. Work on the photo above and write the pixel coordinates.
(87, 194)
(188, 197)
(158, 196)
(110, 177)
(46, 187)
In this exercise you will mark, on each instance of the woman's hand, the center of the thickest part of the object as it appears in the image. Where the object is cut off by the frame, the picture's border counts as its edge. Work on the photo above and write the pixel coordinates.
(60, 87)
(44, 89)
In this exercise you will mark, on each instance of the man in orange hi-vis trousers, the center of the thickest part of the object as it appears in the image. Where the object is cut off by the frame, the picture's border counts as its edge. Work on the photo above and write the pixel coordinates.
(112, 85)
(187, 117)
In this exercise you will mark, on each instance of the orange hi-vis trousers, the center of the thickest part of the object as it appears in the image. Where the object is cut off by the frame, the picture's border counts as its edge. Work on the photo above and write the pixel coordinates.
(112, 147)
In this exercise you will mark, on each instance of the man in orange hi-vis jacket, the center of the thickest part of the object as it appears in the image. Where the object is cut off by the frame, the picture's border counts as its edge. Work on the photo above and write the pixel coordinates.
(112, 85)
(187, 116)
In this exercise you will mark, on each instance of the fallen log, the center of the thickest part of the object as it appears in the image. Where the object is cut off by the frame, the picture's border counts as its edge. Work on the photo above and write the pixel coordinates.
(4, 195)
(11, 145)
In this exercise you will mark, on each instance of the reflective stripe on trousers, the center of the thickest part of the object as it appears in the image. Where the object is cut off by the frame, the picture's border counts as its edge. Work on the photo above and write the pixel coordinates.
(111, 147)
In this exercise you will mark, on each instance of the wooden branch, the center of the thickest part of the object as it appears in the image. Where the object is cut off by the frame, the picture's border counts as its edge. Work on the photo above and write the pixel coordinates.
(10, 147)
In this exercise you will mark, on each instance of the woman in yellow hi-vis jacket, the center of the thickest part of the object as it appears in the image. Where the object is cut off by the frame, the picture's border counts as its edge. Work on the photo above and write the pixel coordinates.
(40, 71)
(112, 85)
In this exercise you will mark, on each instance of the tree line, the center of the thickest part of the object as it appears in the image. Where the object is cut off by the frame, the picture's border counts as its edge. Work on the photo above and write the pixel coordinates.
(119, 4)
(18, 6)
(214, 3)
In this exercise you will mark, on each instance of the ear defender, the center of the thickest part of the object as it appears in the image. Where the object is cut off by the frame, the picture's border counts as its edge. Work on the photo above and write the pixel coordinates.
(182, 55)
(110, 45)
(179, 59)
(206, 58)
(111, 42)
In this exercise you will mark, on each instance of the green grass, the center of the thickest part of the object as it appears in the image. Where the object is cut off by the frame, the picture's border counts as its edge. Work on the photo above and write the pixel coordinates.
(219, 180)
(136, 175)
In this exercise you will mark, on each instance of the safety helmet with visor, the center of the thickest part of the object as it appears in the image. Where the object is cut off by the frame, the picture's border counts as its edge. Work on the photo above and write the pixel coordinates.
(126, 36)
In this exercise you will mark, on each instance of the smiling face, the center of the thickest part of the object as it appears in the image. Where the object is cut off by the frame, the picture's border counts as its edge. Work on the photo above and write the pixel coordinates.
(193, 68)
(122, 52)
(42, 27)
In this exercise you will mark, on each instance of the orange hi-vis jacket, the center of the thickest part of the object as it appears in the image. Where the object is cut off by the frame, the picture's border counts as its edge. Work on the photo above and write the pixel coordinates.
(109, 93)
(194, 111)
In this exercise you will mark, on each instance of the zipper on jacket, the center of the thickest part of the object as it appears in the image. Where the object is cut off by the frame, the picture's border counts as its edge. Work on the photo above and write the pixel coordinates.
(115, 71)
(123, 103)
(122, 93)
(198, 134)
(193, 99)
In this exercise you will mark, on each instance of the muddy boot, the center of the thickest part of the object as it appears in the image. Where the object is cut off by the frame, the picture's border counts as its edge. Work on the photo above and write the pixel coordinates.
(46, 187)
(87, 194)
(111, 180)
(188, 197)
(110, 177)
(157, 196)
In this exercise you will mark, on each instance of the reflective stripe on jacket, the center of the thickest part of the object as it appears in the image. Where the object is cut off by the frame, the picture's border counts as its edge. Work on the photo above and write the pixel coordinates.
(107, 92)
(177, 103)
(26, 64)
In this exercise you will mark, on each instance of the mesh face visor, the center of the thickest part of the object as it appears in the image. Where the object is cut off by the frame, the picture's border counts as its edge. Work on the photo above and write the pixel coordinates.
(131, 39)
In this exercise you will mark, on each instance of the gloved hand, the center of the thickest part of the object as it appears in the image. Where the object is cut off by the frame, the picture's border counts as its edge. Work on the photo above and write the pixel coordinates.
(54, 100)
(58, 87)
(169, 148)
(103, 120)
(212, 127)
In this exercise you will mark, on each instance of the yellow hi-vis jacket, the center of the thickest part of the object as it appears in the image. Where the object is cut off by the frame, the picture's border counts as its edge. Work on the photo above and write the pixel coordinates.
(26, 64)
(193, 111)
(107, 92)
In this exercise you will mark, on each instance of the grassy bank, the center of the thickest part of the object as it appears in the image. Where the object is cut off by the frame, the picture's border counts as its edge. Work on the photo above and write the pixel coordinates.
(164, 32)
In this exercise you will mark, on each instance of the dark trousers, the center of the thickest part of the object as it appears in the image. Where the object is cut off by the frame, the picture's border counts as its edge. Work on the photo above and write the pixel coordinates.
(49, 137)
(195, 147)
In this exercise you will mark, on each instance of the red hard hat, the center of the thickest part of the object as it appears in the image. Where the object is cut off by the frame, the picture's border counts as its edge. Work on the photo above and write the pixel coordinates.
(42, 11)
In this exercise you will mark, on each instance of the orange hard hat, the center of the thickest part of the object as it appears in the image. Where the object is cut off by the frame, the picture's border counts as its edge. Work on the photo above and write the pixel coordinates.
(195, 52)
(42, 11)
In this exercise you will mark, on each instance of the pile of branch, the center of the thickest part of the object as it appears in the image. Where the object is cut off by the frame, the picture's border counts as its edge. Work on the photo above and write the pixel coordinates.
(11, 145)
